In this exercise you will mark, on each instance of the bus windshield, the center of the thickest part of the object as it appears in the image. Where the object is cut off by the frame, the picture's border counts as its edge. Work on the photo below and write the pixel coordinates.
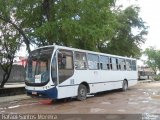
(39, 65)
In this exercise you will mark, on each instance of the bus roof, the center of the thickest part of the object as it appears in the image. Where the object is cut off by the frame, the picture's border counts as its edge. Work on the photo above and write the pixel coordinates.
(81, 50)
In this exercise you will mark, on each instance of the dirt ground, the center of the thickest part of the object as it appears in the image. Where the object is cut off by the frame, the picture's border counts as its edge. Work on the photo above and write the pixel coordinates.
(144, 98)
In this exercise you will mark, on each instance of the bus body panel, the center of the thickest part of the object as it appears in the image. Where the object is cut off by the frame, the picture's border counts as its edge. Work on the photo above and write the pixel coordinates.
(107, 80)
(67, 91)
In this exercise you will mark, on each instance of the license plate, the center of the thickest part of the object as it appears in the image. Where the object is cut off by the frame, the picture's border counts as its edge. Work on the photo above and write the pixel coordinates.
(34, 93)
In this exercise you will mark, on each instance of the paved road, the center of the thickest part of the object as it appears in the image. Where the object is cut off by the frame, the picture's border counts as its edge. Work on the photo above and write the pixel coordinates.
(140, 99)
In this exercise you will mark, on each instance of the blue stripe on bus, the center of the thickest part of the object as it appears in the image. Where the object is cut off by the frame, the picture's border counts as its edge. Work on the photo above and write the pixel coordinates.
(96, 83)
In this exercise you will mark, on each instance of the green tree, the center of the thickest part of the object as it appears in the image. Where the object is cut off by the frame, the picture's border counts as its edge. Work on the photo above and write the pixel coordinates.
(75, 23)
(125, 41)
(11, 35)
(87, 24)
(90, 24)
(153, 60)
(8, 14)
(10, 41)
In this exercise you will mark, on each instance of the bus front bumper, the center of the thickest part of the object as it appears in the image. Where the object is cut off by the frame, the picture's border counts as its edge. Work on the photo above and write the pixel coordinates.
(51, 93)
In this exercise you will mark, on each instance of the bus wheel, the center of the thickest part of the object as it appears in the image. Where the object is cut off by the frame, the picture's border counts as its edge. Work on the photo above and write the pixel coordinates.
(82, 92)
(125, 85)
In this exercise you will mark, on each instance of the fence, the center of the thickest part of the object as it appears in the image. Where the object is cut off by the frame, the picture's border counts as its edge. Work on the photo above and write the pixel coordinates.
(17, 74)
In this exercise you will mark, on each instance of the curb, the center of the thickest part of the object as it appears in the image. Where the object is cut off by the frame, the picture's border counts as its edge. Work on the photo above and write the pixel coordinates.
(148, 81)
(13, 98)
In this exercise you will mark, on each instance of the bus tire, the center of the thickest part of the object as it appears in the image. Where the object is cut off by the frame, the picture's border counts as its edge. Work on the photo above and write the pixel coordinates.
(124, 85)
(82, 92)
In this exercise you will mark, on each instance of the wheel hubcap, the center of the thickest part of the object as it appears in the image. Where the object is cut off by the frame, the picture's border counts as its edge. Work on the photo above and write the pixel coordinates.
(82, 92)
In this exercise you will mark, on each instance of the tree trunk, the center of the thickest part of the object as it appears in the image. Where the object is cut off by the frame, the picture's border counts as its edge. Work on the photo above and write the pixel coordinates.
(5, 78)
(6, 75)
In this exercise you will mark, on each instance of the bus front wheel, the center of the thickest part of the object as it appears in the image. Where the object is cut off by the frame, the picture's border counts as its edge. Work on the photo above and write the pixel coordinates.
(82, 92)
(125, 85)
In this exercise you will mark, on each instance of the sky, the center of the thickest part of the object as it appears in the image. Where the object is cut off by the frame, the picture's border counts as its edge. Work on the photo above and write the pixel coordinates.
(149, 12)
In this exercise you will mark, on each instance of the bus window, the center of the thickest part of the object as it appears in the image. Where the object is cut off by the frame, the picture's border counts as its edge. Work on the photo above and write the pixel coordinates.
(54, 70)
(117, 64)
(38, 66)
(65, 65)
(80, 60)
(110, 60)
(104, 61)
(133, 65)
(122, 64)
(93, 61)
(114, 64)
(128, 65)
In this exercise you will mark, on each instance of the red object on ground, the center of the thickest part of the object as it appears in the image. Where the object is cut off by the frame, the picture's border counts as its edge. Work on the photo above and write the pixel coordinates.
(46, 101)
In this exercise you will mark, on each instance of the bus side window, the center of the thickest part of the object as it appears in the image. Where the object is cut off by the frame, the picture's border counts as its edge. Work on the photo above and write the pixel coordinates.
(128, 65)
(65, 65)
(114, 64)
(93, 61)
(108, 67)
(61, 60)
(133, 66)
(110, 63)
(54, 70)
(122, 64)
(104, 62)
(107, 59)
(125, 68)
(117, 64)
(80, 60)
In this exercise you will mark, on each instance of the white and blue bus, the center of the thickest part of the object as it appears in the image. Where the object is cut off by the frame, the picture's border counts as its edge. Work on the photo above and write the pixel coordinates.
(57, 72)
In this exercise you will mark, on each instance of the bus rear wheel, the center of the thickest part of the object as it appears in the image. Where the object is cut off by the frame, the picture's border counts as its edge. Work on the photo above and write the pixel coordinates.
(125, 85)
(82, 92)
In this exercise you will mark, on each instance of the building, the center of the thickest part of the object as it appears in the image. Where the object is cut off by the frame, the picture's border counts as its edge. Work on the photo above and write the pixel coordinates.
(19, 60)
(145, 72)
